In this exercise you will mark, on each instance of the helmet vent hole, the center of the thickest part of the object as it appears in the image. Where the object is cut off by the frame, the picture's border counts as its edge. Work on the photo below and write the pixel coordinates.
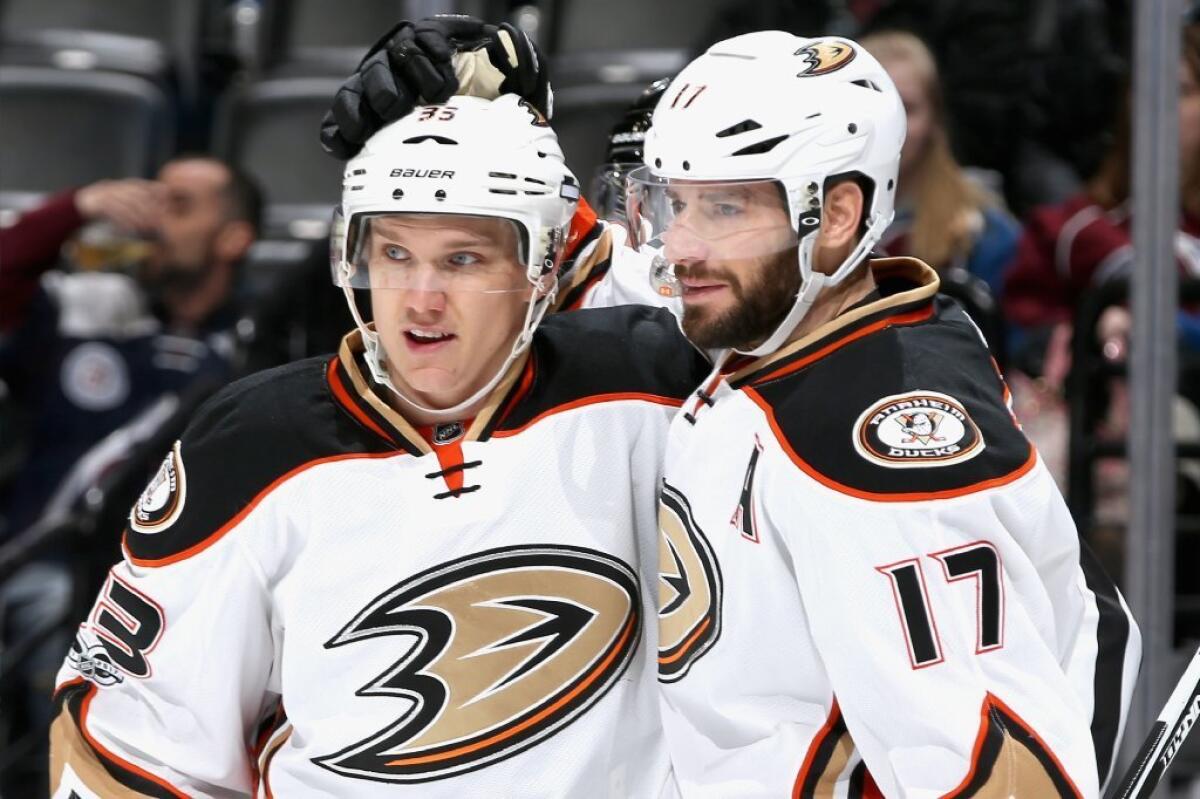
(507, 175)
(891, 183)
(493, 191)
(541, 154)
(762, 147)
(686, 166)
(745, 126)
(852, 127)
(439, 195)
(658, 162)
(398, 194)
(866, 84)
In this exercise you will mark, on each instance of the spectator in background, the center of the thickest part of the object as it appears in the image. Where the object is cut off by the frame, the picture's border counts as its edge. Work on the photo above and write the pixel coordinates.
(1029, 86)
(1067, 248)
(943, 216)
(88, 352)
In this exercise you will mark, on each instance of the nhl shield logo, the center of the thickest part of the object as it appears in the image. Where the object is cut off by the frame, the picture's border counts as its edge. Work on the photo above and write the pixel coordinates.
(917, 429)
(162, 501)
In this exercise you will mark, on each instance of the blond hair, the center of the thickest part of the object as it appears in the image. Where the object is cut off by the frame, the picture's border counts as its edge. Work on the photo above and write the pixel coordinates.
(947, 206)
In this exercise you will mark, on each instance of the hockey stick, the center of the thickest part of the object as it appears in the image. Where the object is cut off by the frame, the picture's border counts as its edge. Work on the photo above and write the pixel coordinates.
(1177, 717)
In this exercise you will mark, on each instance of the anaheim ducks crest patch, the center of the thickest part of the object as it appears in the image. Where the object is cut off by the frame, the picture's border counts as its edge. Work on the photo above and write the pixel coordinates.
(162, 501)
(689, 591)
(823, 57)
(497, 652)
(915, 430)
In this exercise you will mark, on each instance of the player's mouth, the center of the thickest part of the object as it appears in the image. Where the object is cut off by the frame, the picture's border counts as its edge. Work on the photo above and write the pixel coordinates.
(424, 340)
(701, 289)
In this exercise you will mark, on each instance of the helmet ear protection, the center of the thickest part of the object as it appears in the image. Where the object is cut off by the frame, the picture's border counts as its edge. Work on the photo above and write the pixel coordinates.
(771, 106)
(466, 157)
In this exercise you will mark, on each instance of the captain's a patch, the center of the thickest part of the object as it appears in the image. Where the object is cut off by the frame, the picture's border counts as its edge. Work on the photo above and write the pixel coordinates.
(917, 429)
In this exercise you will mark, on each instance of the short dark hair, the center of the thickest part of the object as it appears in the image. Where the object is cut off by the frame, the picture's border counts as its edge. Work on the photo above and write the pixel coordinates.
(241, 193)
(244, 198)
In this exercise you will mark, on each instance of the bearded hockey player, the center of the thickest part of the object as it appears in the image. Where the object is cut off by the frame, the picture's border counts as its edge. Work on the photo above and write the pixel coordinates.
(869, 581)
(413, 568)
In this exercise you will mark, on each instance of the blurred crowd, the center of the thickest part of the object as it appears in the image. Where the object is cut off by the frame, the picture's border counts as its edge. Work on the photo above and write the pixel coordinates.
(200, 255)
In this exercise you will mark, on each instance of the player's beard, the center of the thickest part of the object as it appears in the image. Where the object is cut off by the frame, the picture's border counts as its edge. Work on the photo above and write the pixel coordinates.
(759, 307)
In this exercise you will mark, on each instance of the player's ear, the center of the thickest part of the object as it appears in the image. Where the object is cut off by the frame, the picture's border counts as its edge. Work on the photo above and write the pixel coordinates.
(841, 212)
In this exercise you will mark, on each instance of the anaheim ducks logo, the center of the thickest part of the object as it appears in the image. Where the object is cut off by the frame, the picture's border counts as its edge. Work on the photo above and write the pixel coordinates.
(508, 647)
(823, 57)
(689, 592)
(917, 429)
(162, 501)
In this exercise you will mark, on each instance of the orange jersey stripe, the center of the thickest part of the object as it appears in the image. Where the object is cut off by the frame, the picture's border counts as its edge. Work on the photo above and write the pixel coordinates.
(595, 400)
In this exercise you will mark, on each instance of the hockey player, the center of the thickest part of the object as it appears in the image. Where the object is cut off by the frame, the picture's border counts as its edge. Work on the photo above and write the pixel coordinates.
(413, 568)
(427, 61)
(869, 581)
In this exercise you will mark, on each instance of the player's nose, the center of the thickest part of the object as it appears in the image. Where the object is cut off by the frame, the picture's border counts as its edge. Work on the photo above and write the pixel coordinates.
(682, 246)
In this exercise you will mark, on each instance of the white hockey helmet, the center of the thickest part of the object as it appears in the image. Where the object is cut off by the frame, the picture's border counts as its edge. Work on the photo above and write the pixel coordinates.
(466, 157)
(770, 106)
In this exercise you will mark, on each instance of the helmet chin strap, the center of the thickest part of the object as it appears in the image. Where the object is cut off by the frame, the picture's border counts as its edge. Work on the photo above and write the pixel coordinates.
(812, 283)
(376, 357)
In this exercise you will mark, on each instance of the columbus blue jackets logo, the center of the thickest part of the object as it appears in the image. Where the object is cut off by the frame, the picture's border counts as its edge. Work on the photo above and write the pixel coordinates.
(689, 591)
(161, 503)
(917, 429)
(824, 57)
(495, 653)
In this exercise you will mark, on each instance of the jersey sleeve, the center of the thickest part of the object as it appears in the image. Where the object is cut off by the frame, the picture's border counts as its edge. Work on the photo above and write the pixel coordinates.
(171, 670)
(165, 681)
(959, 635)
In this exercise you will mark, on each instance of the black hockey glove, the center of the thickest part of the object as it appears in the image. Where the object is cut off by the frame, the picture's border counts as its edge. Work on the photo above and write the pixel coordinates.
(427, 62)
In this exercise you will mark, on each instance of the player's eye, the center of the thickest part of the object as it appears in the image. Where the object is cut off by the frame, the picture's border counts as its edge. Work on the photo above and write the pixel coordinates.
(395, 252)
(677, 206)
(726, 209)
(464, 259)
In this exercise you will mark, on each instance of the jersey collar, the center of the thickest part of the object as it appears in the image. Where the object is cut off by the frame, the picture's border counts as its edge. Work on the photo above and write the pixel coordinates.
(358, 396)
(906, 289)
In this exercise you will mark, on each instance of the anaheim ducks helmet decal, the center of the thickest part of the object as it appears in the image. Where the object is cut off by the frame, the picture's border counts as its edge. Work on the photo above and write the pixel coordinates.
(821, 58)
(511, 645)
(689, 591)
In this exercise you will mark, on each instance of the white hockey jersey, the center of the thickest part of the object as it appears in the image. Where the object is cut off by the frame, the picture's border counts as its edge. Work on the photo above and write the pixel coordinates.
(869, 583)
(318, 600)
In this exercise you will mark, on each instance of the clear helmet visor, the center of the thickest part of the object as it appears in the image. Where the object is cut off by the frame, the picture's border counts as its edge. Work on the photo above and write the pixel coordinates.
(429, 253)
(701, 220)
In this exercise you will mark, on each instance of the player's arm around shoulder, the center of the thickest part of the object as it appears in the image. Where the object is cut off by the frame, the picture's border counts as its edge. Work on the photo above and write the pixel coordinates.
(170, 670)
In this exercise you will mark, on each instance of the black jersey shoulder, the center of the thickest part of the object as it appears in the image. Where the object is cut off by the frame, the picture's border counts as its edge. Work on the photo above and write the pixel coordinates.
(909, 411)
(607, 353)
(238, 445)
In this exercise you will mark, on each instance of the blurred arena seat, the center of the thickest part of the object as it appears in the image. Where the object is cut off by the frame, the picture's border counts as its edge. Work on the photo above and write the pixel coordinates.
(270, 128)
(153, 38)
(63, 128)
